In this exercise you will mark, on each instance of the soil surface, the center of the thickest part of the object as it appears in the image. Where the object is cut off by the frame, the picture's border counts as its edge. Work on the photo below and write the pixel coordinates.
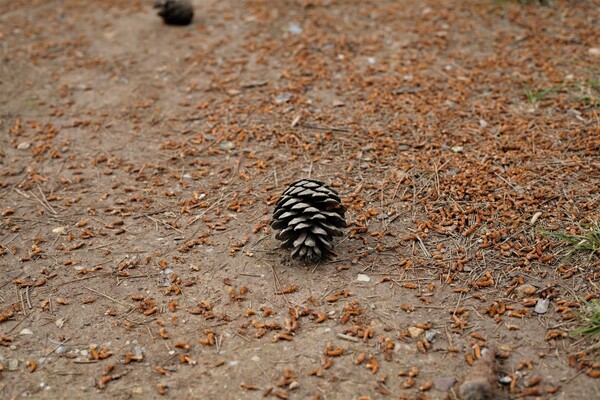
(140, 164)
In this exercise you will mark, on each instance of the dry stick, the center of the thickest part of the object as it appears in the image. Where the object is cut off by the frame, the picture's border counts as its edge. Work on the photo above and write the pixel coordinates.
(83, 279)
(22, 193)
(57, 346)
(45, 199)
(101, 246)
(241, 336)
(448, 336)
(10, 280)
(263, 371)
(186, 72)
(141, 322)
(150, 213)
(164, 223)
(20, 295)
(110, 298)
(19, 323)
(197, 217)
(347, 337)
(218, 342)
(27, 297)
(41, 202)
(150, 333)
(7, 243)
(64, 373)
(48, 208)
(423, 248)
(122, 278)
(277, 283)
(183, 296)
(325, 128)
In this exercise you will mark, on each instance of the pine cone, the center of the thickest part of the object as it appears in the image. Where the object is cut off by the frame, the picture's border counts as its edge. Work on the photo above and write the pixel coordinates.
(308, 215)
(175, 12)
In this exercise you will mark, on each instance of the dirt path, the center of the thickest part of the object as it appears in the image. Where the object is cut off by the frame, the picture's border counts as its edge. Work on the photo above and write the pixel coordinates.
(139, 165)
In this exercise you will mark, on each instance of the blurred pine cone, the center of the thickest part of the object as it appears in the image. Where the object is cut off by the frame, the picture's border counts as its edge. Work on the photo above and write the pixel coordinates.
(308, 215)
(175, 12)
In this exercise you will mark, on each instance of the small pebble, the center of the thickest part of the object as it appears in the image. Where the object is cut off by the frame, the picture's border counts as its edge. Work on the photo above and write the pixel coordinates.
(431, 335)
(227, 145)
(415, 332)
(363, 278)
(505, 380)
(295, 29)
(26, 331)
(283, 98)
(13, 364)
(61, 230)
(541, 307)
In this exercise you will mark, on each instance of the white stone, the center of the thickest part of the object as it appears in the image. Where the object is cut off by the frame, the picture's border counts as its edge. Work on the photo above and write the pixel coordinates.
(61, 230)
(415, 332)
(541, 307)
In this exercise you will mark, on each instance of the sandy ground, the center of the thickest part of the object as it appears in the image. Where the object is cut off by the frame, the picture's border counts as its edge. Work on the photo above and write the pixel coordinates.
(140, 164)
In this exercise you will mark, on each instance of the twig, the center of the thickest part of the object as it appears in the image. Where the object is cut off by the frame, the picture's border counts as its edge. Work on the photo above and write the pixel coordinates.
(347, 337)
(83, 279)
(27, 297)
(46, 200)
(164, 223)
(57, 346)
(22, 301)
(19, 323)
(325, 128)
(277, 284)
(241, 336)
(110, 298)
